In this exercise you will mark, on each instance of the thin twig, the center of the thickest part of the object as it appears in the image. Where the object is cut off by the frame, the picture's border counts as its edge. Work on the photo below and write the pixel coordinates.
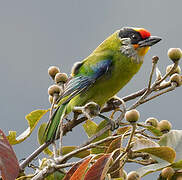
(124, 158)
(125, 153)
(175, 65)
(131, 137)
(151, 137)
(33, 155)
(173, 86)
(102, 131)
(64, 158)
(138, 102)
(142, 162)
(154, 63)
(54, 149)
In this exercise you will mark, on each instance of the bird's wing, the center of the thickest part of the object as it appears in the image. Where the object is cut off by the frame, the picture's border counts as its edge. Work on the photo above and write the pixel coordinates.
(84, 79)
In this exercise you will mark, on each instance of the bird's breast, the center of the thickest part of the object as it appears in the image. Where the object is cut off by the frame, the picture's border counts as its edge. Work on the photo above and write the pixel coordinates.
(121, 72)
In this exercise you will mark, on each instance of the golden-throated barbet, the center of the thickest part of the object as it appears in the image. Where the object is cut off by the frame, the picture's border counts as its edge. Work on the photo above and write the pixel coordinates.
(102, 74)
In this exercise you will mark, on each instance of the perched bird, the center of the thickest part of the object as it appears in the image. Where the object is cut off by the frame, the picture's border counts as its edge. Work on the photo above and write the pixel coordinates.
(103, 73)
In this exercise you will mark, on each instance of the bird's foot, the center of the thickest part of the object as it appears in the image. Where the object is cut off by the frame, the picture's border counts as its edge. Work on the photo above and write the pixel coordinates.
(90, 109)
(114, 111)
(114, 124)
(116, 98)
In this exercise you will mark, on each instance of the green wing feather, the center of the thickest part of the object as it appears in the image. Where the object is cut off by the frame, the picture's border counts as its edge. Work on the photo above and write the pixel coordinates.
(53, 124)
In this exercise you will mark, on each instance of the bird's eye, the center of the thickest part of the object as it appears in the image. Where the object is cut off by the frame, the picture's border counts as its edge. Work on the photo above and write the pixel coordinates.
(134, 36)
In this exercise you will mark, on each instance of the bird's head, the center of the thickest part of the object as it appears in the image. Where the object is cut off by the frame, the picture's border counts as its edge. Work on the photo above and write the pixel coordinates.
(135, 42)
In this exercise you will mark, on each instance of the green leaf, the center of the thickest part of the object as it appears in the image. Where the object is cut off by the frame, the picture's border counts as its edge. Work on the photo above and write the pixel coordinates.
(102, 125)
(152, 168)
(90, 127)
(163, 152)
(55, 176)
(32, 118)
(58, 175)
(151, 147)
(177, 164)
(154, 130)
(68, 149)
(41, 138)
(173, 139)
(98, 150)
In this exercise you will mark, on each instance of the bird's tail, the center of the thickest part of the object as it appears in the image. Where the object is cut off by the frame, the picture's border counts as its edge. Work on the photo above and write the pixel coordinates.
(52, 128)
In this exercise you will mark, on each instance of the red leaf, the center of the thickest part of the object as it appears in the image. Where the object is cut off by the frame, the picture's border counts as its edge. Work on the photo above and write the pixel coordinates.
(8, 162)
(72, 170)
(99, 168)
(78, 174)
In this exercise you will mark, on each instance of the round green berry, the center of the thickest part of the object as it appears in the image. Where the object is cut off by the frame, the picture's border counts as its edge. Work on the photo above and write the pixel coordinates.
(61, 78)
(133, 175)
(152, 121)
(174, 54)
(164, 126)
(167, 172)
(53, 70)
(132, 116)
(54, 89)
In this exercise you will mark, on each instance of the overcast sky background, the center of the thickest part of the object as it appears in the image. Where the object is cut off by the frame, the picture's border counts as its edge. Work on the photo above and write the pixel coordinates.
(36, 34)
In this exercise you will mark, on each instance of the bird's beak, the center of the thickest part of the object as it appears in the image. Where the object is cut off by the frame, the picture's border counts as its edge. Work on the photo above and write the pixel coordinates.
(149, 41)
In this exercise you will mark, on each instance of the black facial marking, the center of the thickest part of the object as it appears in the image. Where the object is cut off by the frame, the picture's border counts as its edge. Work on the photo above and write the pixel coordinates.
(130, 33)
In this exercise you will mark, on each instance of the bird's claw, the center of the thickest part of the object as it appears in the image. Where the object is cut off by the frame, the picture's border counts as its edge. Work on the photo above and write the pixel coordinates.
(114, 124)
(116, 98)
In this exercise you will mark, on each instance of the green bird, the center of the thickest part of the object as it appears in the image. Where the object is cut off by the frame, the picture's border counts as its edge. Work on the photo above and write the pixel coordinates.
(103, 73)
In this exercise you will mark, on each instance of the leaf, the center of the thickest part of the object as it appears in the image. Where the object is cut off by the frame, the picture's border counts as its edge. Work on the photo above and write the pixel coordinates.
(79, 173)
(163, 152)
(143, 143)
(98, 150)
(177, 164)
(151, 147)
(68, 149)
(32, 118)
(152, 168)
(55, 176)
(99, 168)
(9, 165)
(72, 170)
(41, 138)
(123, 130)
(173, 139)
(115, 144)
(90, 127)
(154, 130)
